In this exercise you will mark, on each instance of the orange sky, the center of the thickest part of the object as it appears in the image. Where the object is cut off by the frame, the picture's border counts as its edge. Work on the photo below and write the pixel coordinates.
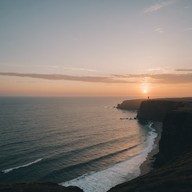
(20, 86)
(96, 48)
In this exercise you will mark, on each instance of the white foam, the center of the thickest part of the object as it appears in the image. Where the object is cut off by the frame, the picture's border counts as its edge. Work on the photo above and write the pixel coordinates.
(21, 166)
(103, 180)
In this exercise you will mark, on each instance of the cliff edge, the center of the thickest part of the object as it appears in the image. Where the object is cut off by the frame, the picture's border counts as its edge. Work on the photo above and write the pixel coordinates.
(130, 104)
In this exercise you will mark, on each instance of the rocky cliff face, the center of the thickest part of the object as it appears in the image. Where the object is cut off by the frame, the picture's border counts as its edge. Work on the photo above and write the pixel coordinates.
(173, 164)
(176, 136)
(130, 104)
(156, 110)
(176, 116)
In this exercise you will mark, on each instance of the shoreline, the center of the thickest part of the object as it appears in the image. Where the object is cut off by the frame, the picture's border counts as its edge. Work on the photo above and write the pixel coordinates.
(147, 165)
(170, 169)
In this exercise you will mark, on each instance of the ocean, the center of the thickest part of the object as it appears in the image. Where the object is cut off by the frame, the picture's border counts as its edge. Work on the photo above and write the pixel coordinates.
(80, 141)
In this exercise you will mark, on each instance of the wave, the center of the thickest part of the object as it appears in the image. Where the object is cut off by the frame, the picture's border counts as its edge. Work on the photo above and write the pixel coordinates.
(90, 162)
(128, 169)
(103, 180)
(21, 166)
(98, 145)
(88, 149)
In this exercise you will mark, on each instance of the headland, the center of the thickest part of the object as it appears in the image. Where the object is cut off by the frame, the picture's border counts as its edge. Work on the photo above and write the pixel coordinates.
(172, 168)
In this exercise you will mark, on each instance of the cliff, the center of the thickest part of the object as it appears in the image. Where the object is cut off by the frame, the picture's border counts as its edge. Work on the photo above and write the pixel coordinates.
(130, 104)
(173, 165)
(176, 136)
(155, 109)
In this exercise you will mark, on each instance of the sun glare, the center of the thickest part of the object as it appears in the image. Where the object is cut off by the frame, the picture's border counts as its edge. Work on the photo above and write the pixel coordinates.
(145, 91)
(145, 88)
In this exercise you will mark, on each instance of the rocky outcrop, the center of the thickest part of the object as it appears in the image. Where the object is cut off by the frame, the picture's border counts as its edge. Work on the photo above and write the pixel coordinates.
(130, 104)
(37, 187)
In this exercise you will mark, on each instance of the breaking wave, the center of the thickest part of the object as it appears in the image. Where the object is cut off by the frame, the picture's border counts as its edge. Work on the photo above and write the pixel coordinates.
(103, 180)
(21, 166)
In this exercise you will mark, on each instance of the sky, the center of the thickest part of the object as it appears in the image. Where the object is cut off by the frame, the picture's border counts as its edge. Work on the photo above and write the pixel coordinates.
(96, 48)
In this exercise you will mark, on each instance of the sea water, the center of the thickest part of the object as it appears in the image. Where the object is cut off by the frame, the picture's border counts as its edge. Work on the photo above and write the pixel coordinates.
(84, 142)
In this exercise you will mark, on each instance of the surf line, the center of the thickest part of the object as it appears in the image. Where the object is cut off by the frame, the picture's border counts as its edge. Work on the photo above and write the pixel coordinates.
(21, 166)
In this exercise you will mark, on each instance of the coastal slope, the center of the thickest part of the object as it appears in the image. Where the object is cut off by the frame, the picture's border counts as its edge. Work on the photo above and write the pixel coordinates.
(173, 164)
(176, 176)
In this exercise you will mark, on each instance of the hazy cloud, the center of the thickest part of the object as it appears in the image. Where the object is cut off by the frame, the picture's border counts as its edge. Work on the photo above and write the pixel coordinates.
(80, 69)
(158, 6)
(160, 78)
(182, 70)
(159, 30)
(187, 29)
(172, 78)
(187, 7)
(159, 70)
(96, 79)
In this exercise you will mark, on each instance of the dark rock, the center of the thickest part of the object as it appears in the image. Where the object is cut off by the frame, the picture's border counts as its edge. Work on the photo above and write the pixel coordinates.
(176, 136)
(38, 187)
(130, 104)
(155, 110)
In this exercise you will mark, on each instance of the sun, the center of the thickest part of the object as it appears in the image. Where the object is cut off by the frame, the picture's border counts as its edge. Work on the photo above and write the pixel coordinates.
(145, 91)
(145, 88)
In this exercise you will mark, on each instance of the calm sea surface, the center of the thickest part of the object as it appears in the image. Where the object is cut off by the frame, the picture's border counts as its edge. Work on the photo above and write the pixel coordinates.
(72, 141)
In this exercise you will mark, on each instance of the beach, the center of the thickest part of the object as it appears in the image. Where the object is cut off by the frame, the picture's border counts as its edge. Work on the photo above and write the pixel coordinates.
(147, 165)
